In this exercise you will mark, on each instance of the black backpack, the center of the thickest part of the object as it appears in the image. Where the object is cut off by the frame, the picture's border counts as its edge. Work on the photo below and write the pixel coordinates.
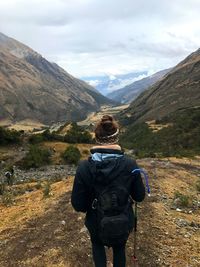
(112, 205)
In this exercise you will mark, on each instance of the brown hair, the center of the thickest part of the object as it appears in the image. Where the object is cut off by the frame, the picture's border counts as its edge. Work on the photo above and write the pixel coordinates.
(105, 127)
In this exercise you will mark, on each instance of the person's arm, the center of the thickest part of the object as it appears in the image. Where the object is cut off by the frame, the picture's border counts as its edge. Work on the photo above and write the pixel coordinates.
(137, 187)
(138, 191)
(80, 194)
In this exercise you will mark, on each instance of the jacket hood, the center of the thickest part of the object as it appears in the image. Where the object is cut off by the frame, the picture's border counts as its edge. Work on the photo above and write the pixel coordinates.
(106, 164)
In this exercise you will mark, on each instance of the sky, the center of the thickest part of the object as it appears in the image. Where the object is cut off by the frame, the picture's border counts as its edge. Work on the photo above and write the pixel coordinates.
(97, 37)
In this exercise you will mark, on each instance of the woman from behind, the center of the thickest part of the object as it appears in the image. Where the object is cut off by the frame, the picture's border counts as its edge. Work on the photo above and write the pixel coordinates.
(104, 188)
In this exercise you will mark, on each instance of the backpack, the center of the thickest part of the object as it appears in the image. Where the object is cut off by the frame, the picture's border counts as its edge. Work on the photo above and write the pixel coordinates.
(112, 205)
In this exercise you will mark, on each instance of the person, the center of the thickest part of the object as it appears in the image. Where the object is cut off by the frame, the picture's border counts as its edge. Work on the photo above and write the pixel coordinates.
(106, 164)
(9, 174)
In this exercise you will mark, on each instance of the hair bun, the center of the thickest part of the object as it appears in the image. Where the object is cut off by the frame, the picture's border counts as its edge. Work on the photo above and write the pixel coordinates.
(107, 118)
(107, 130)
(107, 123)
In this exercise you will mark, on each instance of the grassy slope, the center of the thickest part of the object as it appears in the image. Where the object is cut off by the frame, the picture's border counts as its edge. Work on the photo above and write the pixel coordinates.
(180, 137)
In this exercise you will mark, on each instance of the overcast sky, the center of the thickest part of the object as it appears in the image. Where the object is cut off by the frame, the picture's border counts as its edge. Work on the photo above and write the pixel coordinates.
(92, 37)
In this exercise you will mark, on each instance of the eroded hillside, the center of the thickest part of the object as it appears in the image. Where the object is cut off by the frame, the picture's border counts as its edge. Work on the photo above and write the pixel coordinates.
(33, 88)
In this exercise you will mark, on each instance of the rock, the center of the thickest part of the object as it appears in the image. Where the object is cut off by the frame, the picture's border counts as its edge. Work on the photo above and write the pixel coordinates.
(177, 209)
(57, 232)
(195, 225)
(83, 230)
(63, 223)
(187, 235)
(181, 222)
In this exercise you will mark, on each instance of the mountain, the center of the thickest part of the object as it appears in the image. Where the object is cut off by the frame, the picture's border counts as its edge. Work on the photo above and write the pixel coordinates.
(178, 90)
(128, 93)
(108, 83)
(33, 88)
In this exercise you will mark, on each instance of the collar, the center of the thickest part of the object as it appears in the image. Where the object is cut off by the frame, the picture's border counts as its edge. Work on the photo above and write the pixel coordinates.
(112, 149)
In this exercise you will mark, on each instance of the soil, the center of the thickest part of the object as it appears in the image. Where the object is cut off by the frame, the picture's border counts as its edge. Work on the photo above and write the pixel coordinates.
(47, 232)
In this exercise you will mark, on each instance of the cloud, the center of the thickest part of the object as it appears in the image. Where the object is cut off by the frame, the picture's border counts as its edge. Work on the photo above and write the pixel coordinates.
(94, 82)
(89, 37)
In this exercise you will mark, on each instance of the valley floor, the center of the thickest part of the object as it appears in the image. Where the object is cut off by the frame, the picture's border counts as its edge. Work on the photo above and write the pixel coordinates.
(46, 232)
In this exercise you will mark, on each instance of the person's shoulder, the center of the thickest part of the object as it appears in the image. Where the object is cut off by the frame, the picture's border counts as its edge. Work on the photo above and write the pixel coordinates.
(131, 162)
(83, 165)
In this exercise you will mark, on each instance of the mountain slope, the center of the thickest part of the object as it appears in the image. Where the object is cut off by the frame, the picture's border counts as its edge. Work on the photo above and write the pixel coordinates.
(130, 92)
(180, 89)
(32, 87)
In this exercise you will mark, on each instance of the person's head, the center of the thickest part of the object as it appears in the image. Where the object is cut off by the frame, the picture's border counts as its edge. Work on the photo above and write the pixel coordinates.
(107, 131)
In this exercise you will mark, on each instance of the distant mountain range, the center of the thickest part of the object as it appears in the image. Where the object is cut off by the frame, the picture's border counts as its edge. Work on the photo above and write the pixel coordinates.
(128, 93)
(33, 88)
(106, 84)
(178, 90)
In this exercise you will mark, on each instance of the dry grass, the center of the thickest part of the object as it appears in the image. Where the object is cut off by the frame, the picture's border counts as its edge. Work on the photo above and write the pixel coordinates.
(59, 147)
(26, 125)
(155, 127)
(47, 259)
(31, 205)
(5, 122)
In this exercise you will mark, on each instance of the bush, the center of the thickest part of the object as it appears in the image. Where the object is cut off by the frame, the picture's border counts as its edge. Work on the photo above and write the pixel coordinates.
(71, 155)
(38, 185)
(181, 199)
(2, 188)
(78, 135)
(7, 198)
(9, 136)
(198, 185)
(36, 157)
(47, 189)
(45, 136)
(36, 139)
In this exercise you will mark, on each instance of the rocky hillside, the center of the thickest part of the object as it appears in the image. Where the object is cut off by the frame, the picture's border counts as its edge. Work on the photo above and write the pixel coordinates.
(130, 92)
(33, 88)
(180, 89)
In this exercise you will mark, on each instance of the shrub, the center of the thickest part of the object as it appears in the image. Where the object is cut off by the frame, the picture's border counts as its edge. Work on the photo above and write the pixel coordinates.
(9, 136)
(198, 185)
(38, 185)
(71, 155)
(45, 136)
(181, 199)
(2, 188)
(36, 157)
(36, 139)
(78, 135)
(7, 198)
(47, 189)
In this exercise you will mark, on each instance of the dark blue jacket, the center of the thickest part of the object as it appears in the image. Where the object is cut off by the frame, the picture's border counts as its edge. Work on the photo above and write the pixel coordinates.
(112, 163)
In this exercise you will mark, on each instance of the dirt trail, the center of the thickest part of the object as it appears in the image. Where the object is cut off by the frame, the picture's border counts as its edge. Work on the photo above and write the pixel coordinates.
(54, 235)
